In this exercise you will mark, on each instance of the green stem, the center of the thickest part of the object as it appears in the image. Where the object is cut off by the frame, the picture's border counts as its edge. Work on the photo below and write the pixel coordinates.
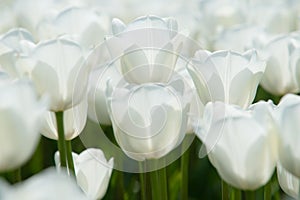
(154, 185)
(70, 157)
(61, 138)
(143, 182)
(268, 191)
(164, 186)
(225, 191)
(184, 174)
(158, 180)
(250, 195)
(235, 194)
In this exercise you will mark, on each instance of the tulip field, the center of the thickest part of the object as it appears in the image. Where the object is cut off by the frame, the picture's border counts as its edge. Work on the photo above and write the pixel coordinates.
(141, 100)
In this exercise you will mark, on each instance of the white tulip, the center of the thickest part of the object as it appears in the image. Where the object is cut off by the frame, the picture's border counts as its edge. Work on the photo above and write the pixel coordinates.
(20, 113)
(288, 114)
(47, 185)
(85, 26)
(74, 122)
(92, 171)
(97, 100)
(58, 68)
(11, 48)
(282, 55)
(251, 37)
(226, 76)
(241, 143)
(149, 120)
(287, 181)
(148, 48)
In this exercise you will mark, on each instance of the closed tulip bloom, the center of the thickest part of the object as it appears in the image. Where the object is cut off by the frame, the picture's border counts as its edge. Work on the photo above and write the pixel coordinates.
(11, 49)
(226, 76)
(20, 113)
(287, 181)
(92, 170)
(148, 120)
(85, 26)
(47, 185)
(58, 68)
(97, 100)
(74, 122)
(244, 143)
(148, 48)
(288, 114)
(282, 71)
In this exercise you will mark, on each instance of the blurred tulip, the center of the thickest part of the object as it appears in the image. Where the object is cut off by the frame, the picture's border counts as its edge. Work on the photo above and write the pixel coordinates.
(288, 114)
(20, 113)
(58, 68)
(243, 143)
(47, 185)
(253, 37)
(282, 55)
(85, 26)
(74, 122)
(97, 100)
(149, 120)
(226, 76)
(11, 49)
(92, 170)
(288, 182)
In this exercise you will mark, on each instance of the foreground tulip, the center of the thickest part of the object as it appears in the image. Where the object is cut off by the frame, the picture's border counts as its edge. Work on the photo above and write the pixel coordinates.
(226, 76)
(149, 120)
(282, 71)
(47, 185)
(288, 114)
(74, 122)
(288, 182)
(244, 143)
(93, 172)
(20, 113)
(58, 69)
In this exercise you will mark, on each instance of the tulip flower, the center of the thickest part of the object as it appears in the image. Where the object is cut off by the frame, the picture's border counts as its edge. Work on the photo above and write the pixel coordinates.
(226, 76)
(148, 48)
(46, 185)
(20, 113)
(282, 55)
(74, 122)
(97, 107)
(288, 114)
(149, 120)
(58, 69)
(92, 170)
(83, 25)
(11, 48)
(243, 151)
(287, 181)
(253, 37)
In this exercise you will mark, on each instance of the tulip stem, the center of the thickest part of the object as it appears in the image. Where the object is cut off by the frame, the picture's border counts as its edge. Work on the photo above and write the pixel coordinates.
(70, 157)
(268, 191)
(225, 191)
(184, 174)
(142, 182)
(61, 138)
(250, 195)
(158, 180)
